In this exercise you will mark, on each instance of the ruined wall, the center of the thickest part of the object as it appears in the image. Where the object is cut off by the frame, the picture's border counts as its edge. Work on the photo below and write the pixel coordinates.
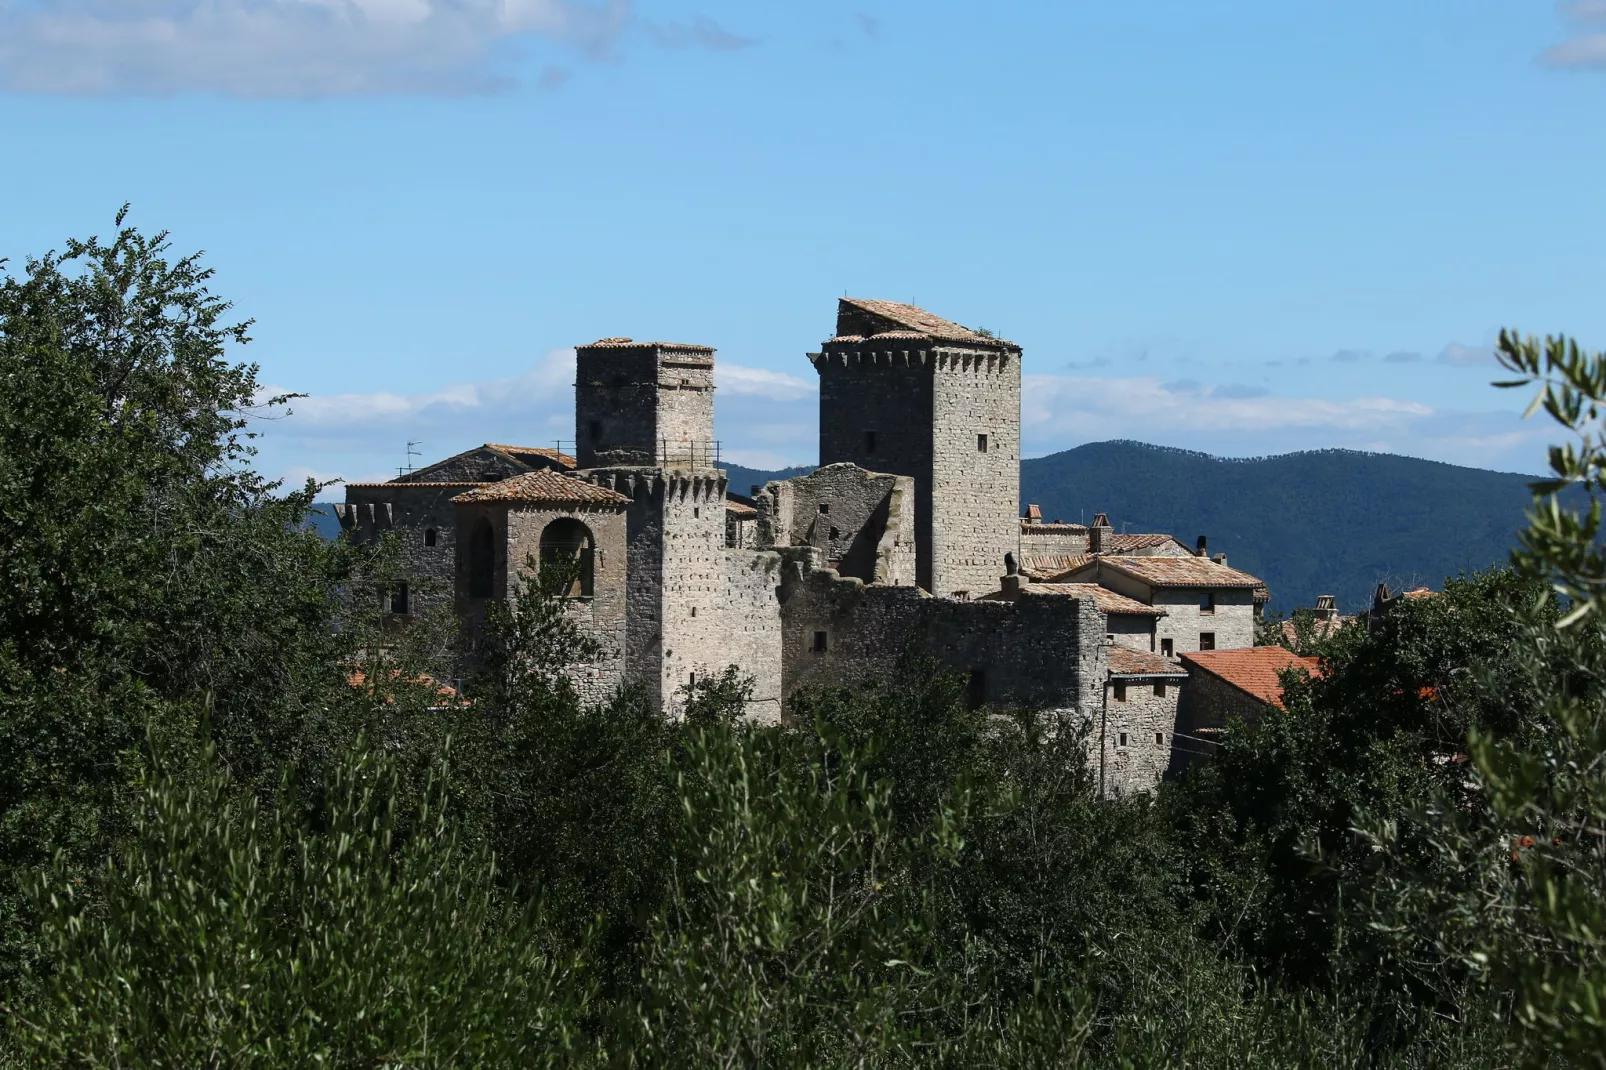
(1137, 734)
(976, 491)
(861, 522)
(416, 511)
(752, 624)
(644, 405)
(1045, 652)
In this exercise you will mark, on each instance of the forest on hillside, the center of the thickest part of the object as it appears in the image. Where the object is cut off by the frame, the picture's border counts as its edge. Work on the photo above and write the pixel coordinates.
(242, 825)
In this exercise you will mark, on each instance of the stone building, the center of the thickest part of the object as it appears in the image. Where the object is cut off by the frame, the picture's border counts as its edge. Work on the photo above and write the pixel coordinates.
(906, 541)
(1226, 684)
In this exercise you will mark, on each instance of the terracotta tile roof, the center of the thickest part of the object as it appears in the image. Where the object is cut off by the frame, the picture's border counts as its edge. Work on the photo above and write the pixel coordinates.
(545, 486)
(913, 321)
(1253, 670)
(394, 485)
(740, 510)
(630, 343)
(519, 453)
(1124, 662)
(1180, 572)
(1123, 544)
(358, 679)
(1049, 566)
(1107, 600)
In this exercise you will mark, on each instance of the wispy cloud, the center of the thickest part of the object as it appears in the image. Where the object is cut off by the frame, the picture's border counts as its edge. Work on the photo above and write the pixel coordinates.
(302, 48)
(1403, 356)
(761, 382)
(1350, 356)
(1586, 48)
(1468, 356)
(701, 31)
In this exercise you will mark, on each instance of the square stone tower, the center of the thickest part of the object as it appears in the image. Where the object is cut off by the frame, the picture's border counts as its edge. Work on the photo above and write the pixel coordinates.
(644, 427)
(644, 404)
(909, 393)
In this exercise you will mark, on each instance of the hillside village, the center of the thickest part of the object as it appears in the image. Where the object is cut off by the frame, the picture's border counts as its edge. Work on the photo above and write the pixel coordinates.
(910, 537)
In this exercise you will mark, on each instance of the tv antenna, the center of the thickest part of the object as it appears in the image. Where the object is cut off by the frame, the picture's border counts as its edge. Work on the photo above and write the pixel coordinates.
(411, 453)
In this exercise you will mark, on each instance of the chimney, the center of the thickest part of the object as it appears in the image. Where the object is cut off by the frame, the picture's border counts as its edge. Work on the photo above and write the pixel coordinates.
(1034, 514)
(1201, 548)
(1010, 567)
(1326, 607)
(1220, 559)
(1012, 585)
(1098, 533)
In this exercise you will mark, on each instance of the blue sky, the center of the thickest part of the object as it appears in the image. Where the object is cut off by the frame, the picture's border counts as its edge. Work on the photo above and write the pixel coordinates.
(1244, 227)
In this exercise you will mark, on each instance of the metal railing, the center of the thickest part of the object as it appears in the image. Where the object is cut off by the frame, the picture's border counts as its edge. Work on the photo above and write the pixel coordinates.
(695, 452)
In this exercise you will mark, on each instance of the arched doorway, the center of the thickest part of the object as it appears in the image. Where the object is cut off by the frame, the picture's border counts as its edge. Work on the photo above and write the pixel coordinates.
(481, 559)
(568, 548)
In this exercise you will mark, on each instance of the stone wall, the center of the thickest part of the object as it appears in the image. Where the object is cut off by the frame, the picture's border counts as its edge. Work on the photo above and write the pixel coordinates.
(416, 514)
(1232, 622)
(976, 491)
(752, 623)
(1137, 734)
(861, 522)
(1048, 539)
(876, 412)
(1132, 631)
(644, 405)
(1044, 652)
(1208, 704)
(478, 465)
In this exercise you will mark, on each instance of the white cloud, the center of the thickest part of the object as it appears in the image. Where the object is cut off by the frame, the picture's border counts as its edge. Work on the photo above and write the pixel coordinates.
(1587, 48)
(761, 382)
(272, 48)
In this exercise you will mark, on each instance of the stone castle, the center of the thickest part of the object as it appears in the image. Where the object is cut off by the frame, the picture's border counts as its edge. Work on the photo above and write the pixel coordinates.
(909, 536)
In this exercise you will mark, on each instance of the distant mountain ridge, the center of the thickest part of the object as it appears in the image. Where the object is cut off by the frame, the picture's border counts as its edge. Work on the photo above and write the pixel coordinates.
(1322, 522)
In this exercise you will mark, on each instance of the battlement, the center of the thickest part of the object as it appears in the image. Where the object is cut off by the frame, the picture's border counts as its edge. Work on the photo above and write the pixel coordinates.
(846, 356)
(364, 520)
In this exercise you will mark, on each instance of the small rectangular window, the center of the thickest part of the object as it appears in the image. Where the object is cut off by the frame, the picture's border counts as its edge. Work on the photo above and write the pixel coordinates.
(691, 680)
(1165, 647)
(1207, 602)
(825, 508)
(820, 643)
(1123, 739)
(398, 598)
(1159, 689)
(981, 443)
(1207, 640)
(1120, 691)
(976, 689)
(1159, 739)
(869, 442)
(696, 512)
(835, 534)
(694, 611)
(429, 536)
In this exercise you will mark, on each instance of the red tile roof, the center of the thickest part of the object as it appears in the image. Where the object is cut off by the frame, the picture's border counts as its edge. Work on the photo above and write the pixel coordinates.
(740, 510)
(1049, 566)
(1124, 544)
(549, 454)
(1253, 670)
(913, 321)
(1125, 662)
(544, 486)
(1179, 572)
(1106, 600)
(394, 485)
(630, 343)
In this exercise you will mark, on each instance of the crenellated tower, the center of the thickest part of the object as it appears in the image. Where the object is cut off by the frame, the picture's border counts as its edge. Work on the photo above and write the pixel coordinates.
(644, 426)
(909, 393)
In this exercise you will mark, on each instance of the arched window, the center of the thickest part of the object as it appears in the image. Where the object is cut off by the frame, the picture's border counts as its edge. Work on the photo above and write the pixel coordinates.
(567, 546)
(481, 559)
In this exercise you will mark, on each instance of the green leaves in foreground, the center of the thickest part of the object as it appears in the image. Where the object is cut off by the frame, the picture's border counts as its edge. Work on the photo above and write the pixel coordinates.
(234, 935)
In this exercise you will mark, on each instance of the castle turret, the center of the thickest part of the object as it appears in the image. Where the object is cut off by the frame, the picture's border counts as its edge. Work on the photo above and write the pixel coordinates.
(646, 404)
(905, 392)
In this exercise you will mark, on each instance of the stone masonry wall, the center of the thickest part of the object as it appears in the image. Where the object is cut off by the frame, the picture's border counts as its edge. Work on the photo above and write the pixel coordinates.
(1045, 539)
(643, 405)
(887, 397)
(602, 616)
(976, 492)
(1233, 621)
(1044, 652)
(694, 582)
(752, 612)
(415, 511)
(857, 519)
(1138, 734)
(1132, 631)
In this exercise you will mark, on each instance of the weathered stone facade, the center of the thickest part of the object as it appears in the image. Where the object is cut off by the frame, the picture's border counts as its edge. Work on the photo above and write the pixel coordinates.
(898, 546)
